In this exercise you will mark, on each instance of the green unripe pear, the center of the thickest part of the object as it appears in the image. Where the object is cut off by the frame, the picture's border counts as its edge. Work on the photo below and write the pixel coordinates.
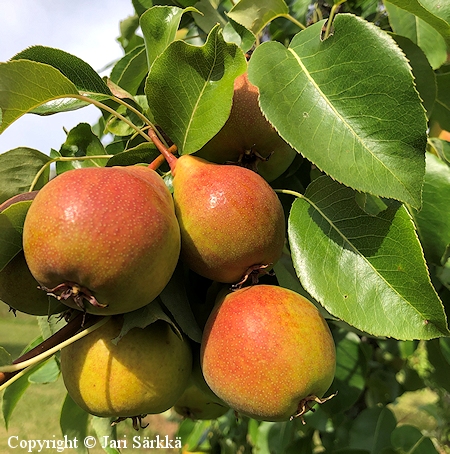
(20, 291)
(146, 372)
(104, 240)
(231, 220)
(267, 352)
(247, 136)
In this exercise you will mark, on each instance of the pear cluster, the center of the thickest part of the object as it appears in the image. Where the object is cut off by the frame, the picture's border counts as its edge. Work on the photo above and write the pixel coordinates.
(106, 241)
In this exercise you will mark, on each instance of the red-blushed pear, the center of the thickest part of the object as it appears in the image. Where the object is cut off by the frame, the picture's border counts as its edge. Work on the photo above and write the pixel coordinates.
(104, 240)
(268, 353)
(232, 222)
(145, 372)
(248, 138)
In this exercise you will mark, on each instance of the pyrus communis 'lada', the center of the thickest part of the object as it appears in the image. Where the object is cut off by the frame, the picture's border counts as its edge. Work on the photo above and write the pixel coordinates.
(247, 136)
(232, 222)
(144, 373)
(267, 352)
(105, 240)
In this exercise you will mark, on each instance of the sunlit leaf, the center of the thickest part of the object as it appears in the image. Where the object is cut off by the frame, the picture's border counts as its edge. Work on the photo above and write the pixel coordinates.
(348, 104)
(255, 15)
(25, 84)
(187, 84)
(159, 26)
(433, 220)
(74, 423)
(419, 32)
(366, 270)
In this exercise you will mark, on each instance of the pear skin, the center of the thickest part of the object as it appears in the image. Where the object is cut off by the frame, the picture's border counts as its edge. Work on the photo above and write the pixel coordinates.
(267, 352)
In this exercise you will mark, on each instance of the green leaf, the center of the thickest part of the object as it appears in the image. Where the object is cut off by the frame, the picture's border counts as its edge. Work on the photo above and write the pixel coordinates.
(410, 440)
(419, 32)
(83, 76)
(441, 109)
(348, 104)
(188, 84)
(209, 16)
(366, 270)
(145, 152)
(349, 380)
(103, 428)
(12, 395)
(47, 372)
(159, 26)
(25, 85)
(130, 70)
(18, 169)
(80, 142)
(238, 34)
(255, 15)
(74, 423)
(372, 430)
(441, 368)
(440, 148)
(5, 357)
(174, 298)
(431, 12)
(424, 75)
(433, 220)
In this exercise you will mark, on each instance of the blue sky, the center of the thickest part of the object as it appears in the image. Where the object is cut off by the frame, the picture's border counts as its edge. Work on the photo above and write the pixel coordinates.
(85, 28)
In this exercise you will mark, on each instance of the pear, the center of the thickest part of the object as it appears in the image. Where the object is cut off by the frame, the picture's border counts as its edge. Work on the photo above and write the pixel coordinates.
(268, 353)
(103, 240)
(247, 136)
(145, 372)
(232, 222)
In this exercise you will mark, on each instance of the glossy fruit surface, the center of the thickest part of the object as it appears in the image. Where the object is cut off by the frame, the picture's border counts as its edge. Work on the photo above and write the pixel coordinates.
(266, 351)
(146, 372)
(103, 235)
(230, 219)
(247, 134)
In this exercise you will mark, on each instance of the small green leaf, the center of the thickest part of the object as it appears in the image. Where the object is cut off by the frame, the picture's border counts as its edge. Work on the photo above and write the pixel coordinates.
(145, 152)
(159, 26)
(372, 430)
(187, 84)
(410, 440)
(47, 372)
(175, 299)
(25, 85)
(209, 16)
(130, 70)
(74, 423)
(103, 428)
(12, 395)
(255, 15)
(18, 169)
(441, 368)
(366, 270)
(348, 104)
(419, 32)
(238, 34)
(83, 76)
(429, 11)
(5, 357)
(433, 220)
(80, 142)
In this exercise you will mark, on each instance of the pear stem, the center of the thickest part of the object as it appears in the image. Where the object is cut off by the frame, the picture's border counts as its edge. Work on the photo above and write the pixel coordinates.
(168, 156)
